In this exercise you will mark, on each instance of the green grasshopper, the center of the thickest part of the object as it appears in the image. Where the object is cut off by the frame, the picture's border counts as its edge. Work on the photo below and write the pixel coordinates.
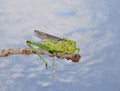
(52, 44)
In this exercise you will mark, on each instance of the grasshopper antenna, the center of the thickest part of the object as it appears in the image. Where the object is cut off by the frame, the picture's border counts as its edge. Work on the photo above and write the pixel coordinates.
(85, 38)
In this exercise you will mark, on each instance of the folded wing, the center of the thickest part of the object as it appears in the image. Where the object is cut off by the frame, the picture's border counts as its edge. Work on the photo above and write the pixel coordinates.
(46, 37)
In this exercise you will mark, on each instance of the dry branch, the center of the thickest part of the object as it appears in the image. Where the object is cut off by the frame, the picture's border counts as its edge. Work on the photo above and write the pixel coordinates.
(6, 52)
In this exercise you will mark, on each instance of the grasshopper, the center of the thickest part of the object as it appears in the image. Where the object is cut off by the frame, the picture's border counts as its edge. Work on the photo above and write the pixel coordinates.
(52, 44)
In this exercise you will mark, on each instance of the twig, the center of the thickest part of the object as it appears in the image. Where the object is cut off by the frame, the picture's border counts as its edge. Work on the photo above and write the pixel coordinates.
(6, 52)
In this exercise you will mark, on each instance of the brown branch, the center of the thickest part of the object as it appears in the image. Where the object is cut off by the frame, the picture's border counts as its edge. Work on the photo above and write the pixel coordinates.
(6, 52)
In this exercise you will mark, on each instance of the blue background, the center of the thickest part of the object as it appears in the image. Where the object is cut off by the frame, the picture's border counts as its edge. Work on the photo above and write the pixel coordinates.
(99, 67)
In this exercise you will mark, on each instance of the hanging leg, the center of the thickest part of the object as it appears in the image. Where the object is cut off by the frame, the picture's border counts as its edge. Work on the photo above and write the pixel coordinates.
(53, 67)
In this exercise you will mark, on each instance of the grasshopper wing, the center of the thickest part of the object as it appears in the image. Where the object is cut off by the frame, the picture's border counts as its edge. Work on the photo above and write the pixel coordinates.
(46, 37)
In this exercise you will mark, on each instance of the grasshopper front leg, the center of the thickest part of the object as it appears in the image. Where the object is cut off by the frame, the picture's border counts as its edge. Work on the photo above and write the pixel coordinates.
(31, 44)
(78, 50)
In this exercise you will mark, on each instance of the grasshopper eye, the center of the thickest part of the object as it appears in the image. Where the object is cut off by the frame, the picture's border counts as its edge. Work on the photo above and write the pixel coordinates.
(71, 43)
(74, 42)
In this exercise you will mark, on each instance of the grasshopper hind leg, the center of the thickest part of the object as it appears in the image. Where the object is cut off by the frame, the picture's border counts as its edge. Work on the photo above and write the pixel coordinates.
(31, 46)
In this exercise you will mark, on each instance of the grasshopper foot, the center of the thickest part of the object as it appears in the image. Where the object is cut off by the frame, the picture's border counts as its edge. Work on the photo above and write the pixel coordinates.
(46, 65)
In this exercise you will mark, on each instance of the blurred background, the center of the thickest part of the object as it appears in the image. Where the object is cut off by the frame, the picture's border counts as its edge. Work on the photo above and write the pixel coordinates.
(99, 67)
